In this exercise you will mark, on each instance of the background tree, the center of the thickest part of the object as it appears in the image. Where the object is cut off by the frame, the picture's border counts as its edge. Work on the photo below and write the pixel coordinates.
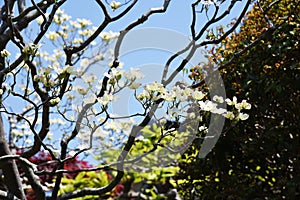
(259, 158)
(53, 102)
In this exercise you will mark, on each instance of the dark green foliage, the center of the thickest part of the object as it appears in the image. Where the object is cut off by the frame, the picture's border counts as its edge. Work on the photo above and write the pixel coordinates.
(258, 158)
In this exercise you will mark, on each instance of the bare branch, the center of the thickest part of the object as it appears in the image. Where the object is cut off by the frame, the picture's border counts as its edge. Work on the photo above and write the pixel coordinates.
(9, 168)
(21, 5)
(228, 32)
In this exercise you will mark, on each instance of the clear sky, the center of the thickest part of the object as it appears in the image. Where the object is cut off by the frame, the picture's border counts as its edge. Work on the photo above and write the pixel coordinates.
(177, 17)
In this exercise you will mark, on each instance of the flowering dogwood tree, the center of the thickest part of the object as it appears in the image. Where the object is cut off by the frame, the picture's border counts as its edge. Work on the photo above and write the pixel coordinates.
(54, 100)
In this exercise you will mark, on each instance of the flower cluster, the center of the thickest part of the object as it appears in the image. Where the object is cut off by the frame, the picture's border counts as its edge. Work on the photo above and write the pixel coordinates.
(79, 28)
(106, 36)
(184, 94)
(244, 105)
(180, 93)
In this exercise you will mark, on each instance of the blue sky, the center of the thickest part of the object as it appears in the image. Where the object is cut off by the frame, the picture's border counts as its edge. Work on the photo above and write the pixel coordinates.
(177, 17)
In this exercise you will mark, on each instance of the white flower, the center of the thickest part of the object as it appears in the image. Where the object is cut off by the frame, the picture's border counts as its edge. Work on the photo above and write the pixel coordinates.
(108, 35)
(28, 141)
(113, 125)
(40, 19)
(207, 105)
(106, 99)
(229, 115)
(243, 116)
(57, 121)
(52, 35)
(155, 87)
(85, 32)
(143, 95)
(198, 95)
(60, 17)
(75, 24)
(83, 146)
(5, 53)
(77, 41)
(69, 69)
(114, 74)
(173, 112)
(84, 22)
(55, 101)
(134, 85)
(84, 62)
(114, 5)
(63, 34)
(243, 105)
(81, 90)
(133, 74)
(231, 102)
(91, 98)
(202, 128)
(169, 96)
(218, 99)
(1, 91)
(182, 94)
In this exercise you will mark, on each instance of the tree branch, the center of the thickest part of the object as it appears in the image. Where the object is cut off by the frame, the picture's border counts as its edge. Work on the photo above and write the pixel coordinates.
(9, 167)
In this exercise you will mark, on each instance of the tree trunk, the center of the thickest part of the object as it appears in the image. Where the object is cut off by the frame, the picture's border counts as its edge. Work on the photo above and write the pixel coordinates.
(9, 168)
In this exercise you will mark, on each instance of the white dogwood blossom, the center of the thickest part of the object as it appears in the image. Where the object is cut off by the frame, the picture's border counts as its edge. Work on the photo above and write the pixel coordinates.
(144, 95)
(198, 95)
(55, 101)
(115, 5)
(52, 35)
(133, 74)
(155, 87)
(207, 105)
(5, 53)
(61, 17)
(134, 85)
(229, 115)
(218, 99)
(106, 36)
(243, 105)
(242, 116)
(231, 102)
(107, 98)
